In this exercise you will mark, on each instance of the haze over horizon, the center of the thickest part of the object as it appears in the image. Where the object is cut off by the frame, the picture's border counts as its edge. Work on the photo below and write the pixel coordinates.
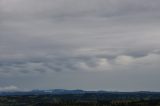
(80, 44)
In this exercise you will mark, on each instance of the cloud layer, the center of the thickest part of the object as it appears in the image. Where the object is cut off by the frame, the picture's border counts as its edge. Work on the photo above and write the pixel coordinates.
(38, 36)
(10, 88)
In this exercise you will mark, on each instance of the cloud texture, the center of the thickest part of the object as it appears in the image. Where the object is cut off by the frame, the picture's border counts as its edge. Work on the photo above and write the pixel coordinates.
(38, 36)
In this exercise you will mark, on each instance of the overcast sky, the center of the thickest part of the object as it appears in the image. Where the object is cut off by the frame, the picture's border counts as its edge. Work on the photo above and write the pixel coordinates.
(80, 44)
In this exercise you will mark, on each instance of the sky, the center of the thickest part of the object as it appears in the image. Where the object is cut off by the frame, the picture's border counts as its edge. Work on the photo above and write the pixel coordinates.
(80, 44)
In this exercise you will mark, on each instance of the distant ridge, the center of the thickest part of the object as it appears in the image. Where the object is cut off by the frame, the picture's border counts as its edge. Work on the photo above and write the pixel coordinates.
(63, 92)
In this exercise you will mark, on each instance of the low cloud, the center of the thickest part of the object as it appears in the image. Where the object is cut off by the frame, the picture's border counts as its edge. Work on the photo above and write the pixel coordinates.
(10, 88)
(90, 61)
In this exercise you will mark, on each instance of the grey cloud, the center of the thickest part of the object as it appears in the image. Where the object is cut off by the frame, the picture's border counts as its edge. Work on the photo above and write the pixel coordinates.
(10, 88)
(60, 36)
(80, 61)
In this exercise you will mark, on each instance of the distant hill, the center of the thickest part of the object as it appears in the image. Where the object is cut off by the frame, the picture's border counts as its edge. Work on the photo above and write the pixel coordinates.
(63, 92)
(43, 92)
